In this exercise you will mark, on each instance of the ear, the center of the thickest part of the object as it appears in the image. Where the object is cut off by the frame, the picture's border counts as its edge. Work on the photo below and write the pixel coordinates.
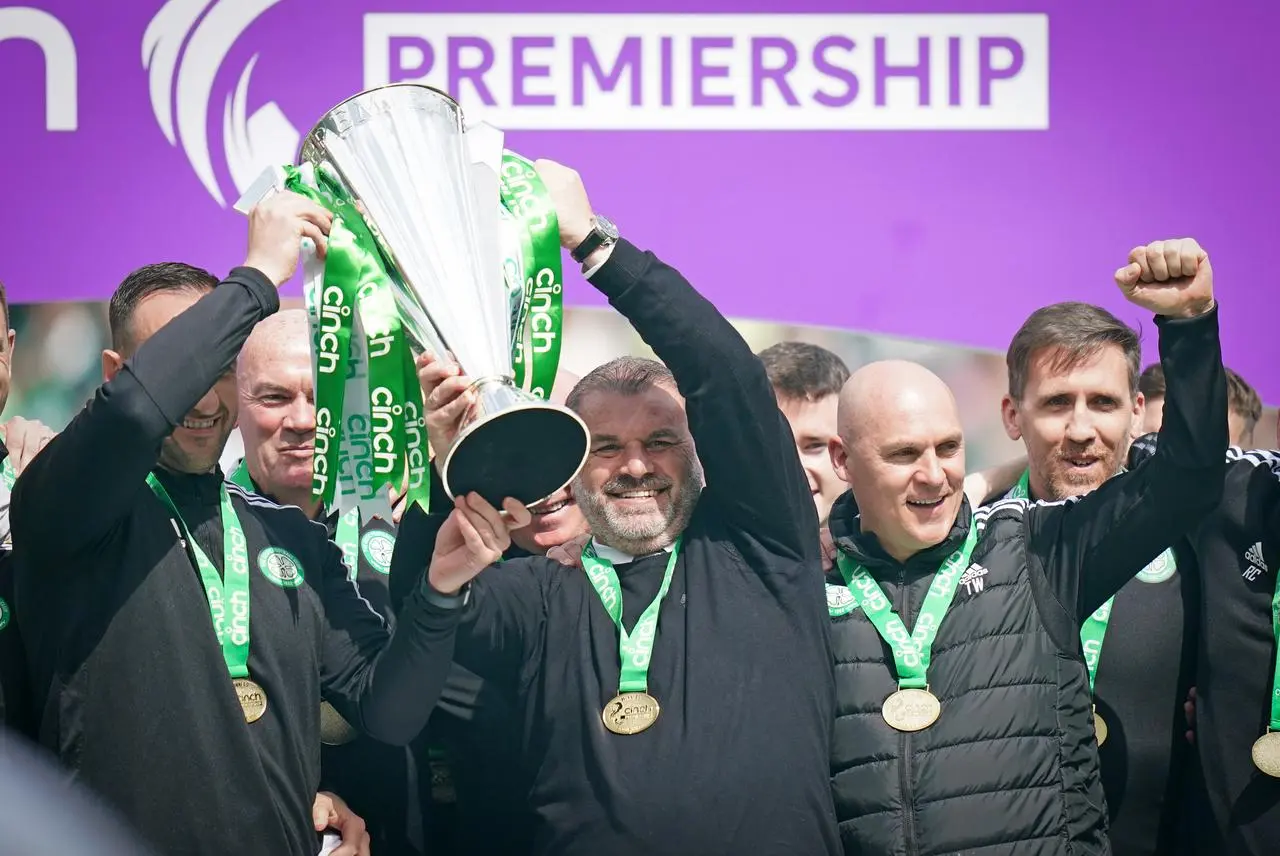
(1009, 416)
(111, 364)
(839, 458)
(12, 339)
(1139, 415)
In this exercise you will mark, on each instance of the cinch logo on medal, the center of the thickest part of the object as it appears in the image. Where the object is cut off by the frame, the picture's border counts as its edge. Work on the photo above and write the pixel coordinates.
(377, 548)
(281, 567)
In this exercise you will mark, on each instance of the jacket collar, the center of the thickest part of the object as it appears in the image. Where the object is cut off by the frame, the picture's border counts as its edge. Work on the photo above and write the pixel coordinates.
(865, 549)
(192, 489)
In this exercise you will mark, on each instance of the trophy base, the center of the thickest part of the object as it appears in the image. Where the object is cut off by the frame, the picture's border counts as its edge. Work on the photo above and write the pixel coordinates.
(526, 451)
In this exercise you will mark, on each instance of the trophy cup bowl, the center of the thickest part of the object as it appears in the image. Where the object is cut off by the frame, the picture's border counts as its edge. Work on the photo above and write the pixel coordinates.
(397, 156)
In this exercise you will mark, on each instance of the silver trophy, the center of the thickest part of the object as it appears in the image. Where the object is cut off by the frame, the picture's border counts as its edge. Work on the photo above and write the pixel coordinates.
(399, 154)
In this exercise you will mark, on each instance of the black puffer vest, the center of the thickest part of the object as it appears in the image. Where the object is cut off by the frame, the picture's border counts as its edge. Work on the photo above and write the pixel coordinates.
(1011, 766)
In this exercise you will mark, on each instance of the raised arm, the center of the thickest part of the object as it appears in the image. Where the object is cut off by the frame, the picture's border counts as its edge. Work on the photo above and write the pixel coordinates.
(743, 440)
(1092, 546)
(111, 445)
(389, 690)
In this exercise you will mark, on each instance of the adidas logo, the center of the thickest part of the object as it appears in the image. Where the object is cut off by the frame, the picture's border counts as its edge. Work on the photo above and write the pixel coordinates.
(972, 579)
(1256, 565)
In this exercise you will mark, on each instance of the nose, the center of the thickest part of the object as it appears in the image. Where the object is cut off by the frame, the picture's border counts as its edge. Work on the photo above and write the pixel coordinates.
(930, 471)
(1080, 427)
(301, 416)
(637, 464)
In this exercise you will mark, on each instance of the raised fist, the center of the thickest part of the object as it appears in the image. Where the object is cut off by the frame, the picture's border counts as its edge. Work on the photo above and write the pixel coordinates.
(277, 226)
(1170, 278)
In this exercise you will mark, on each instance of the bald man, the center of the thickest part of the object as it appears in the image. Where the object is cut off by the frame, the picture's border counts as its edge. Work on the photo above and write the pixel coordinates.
(277, 425)
(972, 730)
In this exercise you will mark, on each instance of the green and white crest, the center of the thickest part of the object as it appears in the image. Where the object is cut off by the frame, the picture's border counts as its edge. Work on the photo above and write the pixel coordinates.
(5, 614)
(840, 601)
(281, 567)
(377, 547)
(1160, 569)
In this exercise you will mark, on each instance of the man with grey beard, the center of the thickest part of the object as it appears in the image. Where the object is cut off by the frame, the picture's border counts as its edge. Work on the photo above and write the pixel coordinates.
(676, 695)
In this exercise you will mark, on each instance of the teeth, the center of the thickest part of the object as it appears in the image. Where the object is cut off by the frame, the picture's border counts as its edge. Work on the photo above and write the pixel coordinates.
(198, 424)
(924, 503)
(551, 509)
(637, 494)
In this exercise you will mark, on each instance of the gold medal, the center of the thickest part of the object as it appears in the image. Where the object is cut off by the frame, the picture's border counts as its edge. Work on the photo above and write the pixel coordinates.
(1266, 754)
(911, 710)
(334, 730)
(630, 713)
(253, 698)
(1099, 727)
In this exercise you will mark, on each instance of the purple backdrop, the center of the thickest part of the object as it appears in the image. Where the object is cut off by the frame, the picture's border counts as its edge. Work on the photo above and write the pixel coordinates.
(1154, 119)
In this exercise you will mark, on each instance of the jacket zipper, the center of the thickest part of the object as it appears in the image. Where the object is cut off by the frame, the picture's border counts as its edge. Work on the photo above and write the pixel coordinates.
(904, 739)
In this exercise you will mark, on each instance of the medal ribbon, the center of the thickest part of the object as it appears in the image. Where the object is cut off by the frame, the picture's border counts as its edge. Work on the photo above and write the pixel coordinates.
(634, 648)
(348, 540)
(228, 598)
(347, 536)
(1275, 680)
(539, 322)
(911, 651)
(7, 473)
(1094, 629)
(241, 478)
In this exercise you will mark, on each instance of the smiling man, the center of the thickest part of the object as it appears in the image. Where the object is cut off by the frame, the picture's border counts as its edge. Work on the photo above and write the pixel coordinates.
(182, 614)
(676, 696)
(964, 718)
(1074, 402)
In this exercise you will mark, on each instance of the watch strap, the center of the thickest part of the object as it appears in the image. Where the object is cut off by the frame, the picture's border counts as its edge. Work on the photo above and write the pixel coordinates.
(594, 240)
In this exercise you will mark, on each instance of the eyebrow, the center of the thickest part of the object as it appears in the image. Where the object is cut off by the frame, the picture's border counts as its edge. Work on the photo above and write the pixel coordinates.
(901, 444)
(267, 388)
(660, 434)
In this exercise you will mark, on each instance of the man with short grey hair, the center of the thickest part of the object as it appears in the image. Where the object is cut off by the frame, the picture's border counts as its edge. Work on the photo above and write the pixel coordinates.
(697, 628)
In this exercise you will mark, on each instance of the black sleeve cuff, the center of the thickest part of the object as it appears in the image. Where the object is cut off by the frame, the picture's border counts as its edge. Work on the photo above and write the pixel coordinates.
(441, 600)
(624, 267)
(1171, 322)
(257, 284)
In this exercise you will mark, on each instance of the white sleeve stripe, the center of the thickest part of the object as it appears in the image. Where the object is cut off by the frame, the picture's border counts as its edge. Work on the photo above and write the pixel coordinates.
(1259, 456)
(263, 502)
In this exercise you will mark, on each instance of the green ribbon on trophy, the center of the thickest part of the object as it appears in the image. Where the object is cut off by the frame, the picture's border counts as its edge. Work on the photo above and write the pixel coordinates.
(368, 408)
(533, 274)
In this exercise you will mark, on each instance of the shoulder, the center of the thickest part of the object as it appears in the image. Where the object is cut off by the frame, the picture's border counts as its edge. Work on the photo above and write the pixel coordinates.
(1253, 459)
(990, 516)
(291, 542)
(270, 511)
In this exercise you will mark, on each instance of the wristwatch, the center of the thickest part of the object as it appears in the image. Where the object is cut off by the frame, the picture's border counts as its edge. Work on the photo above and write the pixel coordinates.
(602, 234)
(445, 601)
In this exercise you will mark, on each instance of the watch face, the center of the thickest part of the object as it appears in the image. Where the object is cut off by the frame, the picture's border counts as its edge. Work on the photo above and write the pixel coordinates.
(606, 225)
